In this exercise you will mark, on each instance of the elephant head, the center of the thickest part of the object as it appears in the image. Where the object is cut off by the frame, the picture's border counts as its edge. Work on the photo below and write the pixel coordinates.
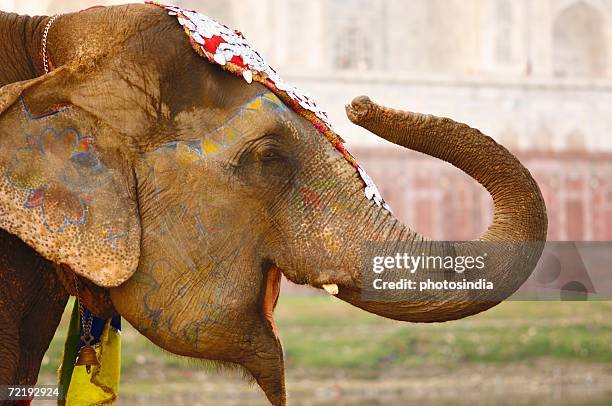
(185, 190)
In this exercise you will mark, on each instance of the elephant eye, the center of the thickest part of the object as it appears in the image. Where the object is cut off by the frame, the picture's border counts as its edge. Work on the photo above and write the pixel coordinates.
(269, 154)
(268, 150)
(266, 159)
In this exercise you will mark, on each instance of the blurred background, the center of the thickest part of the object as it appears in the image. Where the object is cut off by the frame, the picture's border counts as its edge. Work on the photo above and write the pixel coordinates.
(534, 75)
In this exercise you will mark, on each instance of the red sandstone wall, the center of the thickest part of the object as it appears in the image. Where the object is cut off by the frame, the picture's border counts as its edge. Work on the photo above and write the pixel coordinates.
(440, 201)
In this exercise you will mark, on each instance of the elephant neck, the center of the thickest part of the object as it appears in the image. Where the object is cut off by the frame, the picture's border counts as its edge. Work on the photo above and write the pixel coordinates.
(20, 42)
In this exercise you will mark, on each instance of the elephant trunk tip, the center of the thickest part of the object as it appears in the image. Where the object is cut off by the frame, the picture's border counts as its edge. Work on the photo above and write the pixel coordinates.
(359, 109)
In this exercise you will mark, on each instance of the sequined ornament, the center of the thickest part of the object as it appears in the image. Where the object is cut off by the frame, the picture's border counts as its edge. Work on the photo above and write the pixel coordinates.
(229, 49)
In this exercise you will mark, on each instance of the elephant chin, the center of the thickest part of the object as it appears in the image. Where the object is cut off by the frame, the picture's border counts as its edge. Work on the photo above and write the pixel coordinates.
(513, 242)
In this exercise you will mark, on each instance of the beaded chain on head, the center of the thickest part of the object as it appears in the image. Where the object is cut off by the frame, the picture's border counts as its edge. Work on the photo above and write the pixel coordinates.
(228, 49)
(43, 46)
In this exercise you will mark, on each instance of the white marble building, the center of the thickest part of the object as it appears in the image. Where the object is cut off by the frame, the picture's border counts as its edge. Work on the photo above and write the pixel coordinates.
(532, 74)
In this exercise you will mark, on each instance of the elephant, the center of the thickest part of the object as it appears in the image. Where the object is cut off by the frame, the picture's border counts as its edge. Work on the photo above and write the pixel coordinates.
(175, 192)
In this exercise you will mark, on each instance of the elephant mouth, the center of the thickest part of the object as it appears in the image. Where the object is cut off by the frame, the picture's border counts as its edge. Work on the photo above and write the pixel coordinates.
(272, 284)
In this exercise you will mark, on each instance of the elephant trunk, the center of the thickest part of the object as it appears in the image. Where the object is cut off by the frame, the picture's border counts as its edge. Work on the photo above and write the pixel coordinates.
(513, 242)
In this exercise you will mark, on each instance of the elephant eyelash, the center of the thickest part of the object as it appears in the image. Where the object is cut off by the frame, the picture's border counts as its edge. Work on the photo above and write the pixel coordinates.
(270, 155)
(268, 143)
(268, 146)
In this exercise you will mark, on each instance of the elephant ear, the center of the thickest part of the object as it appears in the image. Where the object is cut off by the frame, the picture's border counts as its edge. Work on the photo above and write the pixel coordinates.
(65, 188)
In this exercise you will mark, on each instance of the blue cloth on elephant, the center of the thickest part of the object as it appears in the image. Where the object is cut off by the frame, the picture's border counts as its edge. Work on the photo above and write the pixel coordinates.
(98, 325)
(101, 386)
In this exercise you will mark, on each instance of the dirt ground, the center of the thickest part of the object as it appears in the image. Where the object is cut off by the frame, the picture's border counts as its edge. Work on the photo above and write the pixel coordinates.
(545, 382)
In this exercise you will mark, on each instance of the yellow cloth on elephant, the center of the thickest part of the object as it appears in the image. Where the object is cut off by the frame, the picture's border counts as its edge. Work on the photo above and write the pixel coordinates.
(101, 386)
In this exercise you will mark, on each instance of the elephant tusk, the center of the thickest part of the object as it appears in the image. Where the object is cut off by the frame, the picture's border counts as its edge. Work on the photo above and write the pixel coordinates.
(331, 288)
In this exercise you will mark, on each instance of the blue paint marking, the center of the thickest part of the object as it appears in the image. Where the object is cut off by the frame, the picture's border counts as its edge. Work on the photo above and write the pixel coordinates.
(170, 145)
(86, 159)
(79, 222)
(30, 197)
(196, 146)
(32, 117)
(112, 238)
(201, 230)
(153, 314)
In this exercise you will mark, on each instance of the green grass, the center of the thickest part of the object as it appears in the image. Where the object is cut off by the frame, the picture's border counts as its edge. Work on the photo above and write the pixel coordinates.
(320, 332)
(324, 334)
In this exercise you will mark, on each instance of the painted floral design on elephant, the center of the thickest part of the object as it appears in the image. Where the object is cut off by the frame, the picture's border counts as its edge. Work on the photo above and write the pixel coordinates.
(60, 171)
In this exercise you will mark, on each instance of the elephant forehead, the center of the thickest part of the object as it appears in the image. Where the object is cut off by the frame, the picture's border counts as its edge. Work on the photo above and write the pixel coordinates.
(228, 49)
(234, 127)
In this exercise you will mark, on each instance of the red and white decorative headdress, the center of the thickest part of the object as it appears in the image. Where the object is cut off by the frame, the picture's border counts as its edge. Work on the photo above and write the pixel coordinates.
(228, 49)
